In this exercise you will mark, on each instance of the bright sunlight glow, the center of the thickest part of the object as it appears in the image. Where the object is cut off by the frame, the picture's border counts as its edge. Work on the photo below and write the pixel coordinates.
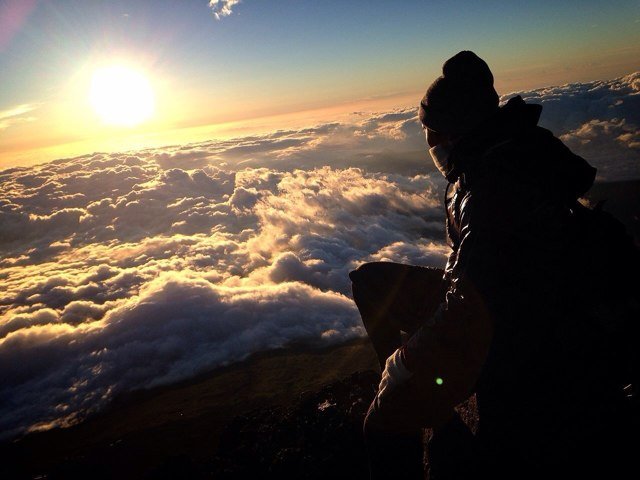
(121, 96)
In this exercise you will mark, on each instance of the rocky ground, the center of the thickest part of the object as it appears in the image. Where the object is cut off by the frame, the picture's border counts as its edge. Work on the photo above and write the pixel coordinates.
(289, 408)
(319, 436)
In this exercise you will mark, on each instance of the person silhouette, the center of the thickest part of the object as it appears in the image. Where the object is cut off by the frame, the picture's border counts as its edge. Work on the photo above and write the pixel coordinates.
(505, 319)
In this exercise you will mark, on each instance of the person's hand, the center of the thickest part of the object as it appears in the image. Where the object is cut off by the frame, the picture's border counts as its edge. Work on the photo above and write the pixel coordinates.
(394, 375)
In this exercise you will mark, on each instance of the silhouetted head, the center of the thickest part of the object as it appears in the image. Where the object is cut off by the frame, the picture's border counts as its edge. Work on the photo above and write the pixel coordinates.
(460, 99)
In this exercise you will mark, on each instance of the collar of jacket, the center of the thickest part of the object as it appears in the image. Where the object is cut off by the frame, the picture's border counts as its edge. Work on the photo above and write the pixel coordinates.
(512, 118)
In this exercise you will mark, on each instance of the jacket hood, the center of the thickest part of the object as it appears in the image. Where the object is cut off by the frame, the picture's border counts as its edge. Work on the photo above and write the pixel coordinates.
(512, 144)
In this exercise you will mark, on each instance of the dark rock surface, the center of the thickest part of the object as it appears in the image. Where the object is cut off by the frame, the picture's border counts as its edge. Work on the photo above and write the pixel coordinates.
(318, 436)
(315, 434)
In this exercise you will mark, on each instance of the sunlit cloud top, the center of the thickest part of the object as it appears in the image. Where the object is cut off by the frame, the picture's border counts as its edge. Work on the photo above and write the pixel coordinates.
(222, 8)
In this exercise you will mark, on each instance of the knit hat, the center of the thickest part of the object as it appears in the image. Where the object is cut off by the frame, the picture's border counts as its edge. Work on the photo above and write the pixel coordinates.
(462, 97)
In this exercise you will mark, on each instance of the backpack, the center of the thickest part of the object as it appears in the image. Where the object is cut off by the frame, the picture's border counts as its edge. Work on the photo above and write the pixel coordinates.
(606, 263)
(606, 256)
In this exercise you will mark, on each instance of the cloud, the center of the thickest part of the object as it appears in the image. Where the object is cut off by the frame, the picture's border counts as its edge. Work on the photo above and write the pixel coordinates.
(176, 326)
(222, 8)
(612, 145)
(16, 115)
(124, 271)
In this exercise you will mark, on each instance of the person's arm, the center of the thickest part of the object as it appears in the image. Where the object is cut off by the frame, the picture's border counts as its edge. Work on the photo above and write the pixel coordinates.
(443, 359)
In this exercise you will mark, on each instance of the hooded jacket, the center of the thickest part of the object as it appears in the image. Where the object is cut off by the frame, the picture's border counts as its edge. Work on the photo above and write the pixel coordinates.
(504, 328)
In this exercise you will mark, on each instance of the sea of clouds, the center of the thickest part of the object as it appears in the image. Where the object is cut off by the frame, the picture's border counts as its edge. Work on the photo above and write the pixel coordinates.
(131, 270)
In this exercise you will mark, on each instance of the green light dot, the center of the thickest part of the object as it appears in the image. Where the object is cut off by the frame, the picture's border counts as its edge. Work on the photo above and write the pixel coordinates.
(439, 381)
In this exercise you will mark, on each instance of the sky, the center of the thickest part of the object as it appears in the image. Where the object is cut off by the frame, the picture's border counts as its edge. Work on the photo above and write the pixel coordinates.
(218, 69)
(274, 146)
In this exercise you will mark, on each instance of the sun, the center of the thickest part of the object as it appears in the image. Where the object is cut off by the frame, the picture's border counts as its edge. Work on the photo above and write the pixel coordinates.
(121, 96)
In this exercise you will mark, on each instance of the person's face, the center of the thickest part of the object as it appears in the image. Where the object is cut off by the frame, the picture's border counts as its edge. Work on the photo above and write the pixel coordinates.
(435, 138)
